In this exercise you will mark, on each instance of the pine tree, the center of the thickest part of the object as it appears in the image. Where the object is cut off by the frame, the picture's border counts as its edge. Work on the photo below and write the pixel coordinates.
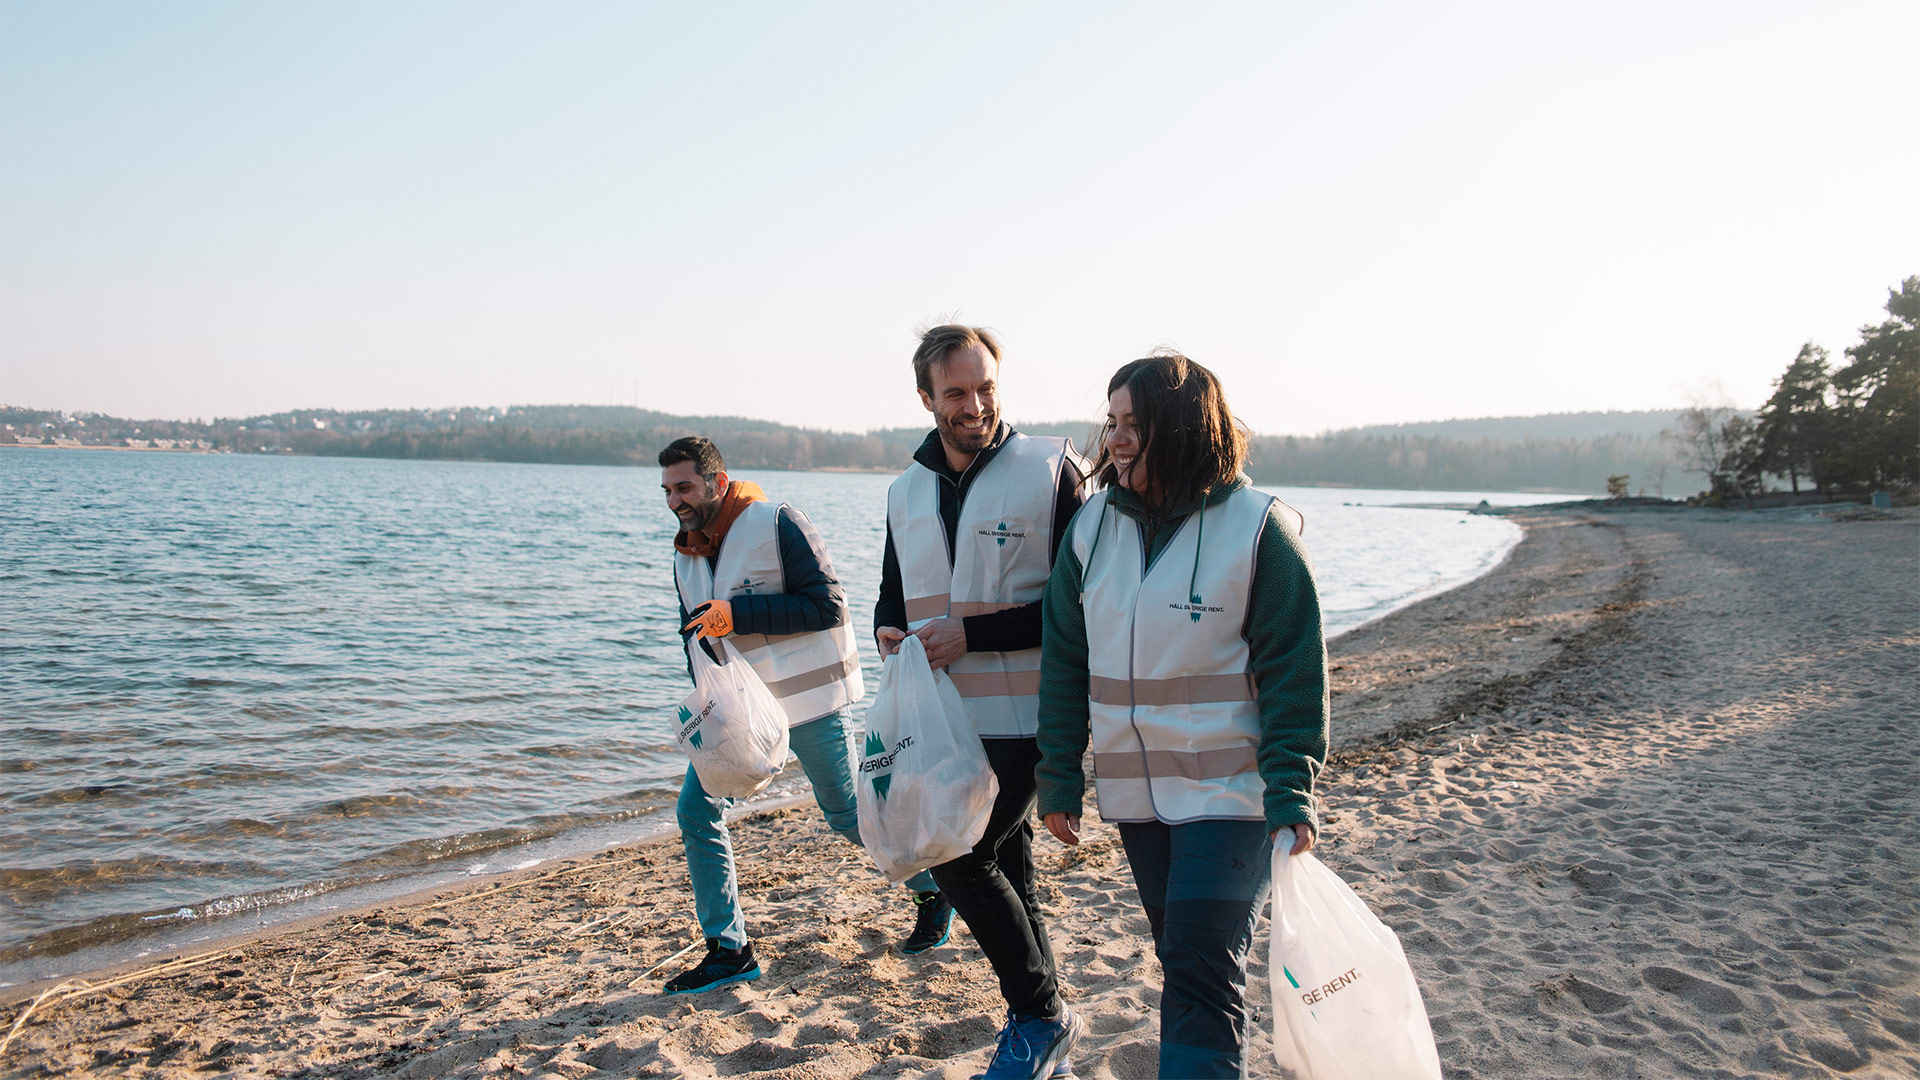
(1792, 424)
(1879, 392)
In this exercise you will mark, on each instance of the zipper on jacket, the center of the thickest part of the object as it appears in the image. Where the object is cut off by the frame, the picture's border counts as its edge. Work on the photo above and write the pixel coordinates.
(961, 489)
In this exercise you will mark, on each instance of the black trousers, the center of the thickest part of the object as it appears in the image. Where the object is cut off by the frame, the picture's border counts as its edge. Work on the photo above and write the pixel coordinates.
(992, 887)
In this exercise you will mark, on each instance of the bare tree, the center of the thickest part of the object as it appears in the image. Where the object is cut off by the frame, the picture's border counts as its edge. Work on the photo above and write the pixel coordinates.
(1716, 440)
(1700, 437)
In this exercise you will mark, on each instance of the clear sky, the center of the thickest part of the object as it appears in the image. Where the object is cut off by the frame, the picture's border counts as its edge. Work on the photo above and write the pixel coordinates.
(1353, 212)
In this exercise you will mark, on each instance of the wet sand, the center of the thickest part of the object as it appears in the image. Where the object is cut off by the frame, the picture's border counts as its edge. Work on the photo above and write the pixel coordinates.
(1640, 803)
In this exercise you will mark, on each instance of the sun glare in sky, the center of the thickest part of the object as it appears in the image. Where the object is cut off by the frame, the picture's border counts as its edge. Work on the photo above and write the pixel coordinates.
(1355, 213)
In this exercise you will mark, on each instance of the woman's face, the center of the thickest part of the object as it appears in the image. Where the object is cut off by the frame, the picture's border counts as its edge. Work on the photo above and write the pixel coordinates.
(1123, 442)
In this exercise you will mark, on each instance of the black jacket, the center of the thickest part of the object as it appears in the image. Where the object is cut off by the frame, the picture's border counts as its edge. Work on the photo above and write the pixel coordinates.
(1002, 631)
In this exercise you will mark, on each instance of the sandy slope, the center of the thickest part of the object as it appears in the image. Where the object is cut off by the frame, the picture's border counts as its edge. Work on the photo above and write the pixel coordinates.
(1689, 849)
(1640, 803)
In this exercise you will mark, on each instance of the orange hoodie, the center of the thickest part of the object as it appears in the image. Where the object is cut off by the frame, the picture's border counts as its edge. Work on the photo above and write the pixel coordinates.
(706, 542)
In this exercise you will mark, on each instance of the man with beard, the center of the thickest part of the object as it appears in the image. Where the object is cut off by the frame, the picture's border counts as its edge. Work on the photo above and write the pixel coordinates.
(757, 572)
(972, 528)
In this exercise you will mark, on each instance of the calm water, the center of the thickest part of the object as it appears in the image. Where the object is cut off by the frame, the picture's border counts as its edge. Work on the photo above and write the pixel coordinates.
(230, 682)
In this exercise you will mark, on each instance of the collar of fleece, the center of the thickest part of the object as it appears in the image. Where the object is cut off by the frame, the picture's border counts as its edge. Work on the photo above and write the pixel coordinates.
(1158, 517)
(705, 543)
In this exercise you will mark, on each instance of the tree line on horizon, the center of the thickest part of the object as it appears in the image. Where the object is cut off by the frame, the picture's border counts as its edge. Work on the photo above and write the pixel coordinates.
(1844, 431)
(1498, 454)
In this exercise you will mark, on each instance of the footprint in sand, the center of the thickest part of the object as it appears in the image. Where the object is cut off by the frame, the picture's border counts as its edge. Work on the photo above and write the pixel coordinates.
(1842, 1059)
(1596, 999)
(1706, 996)
(1599, 882)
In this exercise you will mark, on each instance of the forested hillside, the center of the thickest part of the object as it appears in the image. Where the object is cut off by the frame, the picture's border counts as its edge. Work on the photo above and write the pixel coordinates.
(1505, 453)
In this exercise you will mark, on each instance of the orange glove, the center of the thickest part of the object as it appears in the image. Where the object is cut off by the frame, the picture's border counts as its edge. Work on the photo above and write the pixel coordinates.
(711, 619)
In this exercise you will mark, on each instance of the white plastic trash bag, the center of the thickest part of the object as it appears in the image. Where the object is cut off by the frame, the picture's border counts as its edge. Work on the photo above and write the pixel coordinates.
(926, 790)
(731, 726)
(1345, 1005)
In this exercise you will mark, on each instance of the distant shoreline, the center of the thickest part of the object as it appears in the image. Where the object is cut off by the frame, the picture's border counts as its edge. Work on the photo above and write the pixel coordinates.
(123, 449)
(1571, 453)
(849, 469)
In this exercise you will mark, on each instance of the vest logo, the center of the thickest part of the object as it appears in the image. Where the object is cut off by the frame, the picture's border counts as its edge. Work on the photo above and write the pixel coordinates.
(747, 585)
(877, 759)
(1001, 534)
(1195, 608)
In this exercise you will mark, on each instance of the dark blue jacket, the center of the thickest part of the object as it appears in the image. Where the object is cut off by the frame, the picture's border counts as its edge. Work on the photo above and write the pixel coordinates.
(812, 597)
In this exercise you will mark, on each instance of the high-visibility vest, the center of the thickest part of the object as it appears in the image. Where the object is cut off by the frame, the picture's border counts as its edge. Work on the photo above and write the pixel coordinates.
(812, 674)
(1171, 697)
(1002, 555)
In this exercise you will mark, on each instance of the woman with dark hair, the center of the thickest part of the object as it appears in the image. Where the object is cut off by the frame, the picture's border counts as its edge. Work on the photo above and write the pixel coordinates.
(1182, 637)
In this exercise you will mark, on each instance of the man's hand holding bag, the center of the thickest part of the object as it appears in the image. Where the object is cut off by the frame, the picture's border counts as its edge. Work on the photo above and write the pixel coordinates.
(731, 726)
(925, 788)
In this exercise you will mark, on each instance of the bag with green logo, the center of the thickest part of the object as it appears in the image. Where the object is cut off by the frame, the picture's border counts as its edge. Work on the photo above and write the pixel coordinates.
(1345, 1004)
(925, 787)
(731, 726)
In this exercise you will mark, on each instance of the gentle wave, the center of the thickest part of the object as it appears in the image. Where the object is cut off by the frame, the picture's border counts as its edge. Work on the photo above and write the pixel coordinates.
(48, 885)
(38, 885)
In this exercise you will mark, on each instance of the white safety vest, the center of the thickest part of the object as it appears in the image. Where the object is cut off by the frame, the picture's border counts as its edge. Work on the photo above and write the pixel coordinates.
(812, 674)
(1171, 697)
(1003, 544)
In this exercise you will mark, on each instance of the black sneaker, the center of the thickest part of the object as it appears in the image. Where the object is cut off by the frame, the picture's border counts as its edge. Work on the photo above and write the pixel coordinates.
(720, 968)
(932, 922)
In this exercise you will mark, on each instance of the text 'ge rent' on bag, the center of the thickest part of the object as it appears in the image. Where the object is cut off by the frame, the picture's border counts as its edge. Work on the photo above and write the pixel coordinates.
(926, 790)
(731, 726)
(1345, 1004)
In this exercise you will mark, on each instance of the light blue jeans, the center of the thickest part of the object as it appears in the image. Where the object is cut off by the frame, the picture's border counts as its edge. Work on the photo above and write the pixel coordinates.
(827, 759)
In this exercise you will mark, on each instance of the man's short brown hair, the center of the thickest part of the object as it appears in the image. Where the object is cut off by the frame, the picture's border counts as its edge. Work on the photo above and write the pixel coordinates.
(936, 343)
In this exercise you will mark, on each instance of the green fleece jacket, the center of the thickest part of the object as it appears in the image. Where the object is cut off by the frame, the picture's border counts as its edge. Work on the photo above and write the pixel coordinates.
(1289, 661)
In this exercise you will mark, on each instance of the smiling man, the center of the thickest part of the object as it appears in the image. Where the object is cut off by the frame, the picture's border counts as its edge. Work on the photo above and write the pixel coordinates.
(972, 528)
(757, 572)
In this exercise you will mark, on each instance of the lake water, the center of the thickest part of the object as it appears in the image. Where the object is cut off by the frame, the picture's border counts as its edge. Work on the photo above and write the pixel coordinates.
(232, 684)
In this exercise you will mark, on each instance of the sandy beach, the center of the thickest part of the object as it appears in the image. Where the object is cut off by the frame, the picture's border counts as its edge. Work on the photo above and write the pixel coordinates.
(1639, 803)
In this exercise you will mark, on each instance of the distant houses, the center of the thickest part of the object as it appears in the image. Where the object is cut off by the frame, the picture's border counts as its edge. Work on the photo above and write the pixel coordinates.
(14, 438)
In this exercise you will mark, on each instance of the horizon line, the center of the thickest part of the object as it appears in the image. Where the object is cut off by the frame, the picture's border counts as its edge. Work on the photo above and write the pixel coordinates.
(502, 409)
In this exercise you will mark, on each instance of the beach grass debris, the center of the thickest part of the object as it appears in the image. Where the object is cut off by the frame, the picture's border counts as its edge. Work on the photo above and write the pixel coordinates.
(79, 988)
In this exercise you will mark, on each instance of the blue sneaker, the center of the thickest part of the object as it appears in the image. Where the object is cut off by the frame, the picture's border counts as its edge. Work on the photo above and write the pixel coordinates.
(722, 967)
(1031, 1048)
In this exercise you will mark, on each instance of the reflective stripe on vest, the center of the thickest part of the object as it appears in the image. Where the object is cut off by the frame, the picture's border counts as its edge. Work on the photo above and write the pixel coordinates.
(1004, 540)
(1173, 709)
(812, 674)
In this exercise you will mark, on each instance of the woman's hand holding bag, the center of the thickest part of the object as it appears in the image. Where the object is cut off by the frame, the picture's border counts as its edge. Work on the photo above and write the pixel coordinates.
(1345, 1003)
